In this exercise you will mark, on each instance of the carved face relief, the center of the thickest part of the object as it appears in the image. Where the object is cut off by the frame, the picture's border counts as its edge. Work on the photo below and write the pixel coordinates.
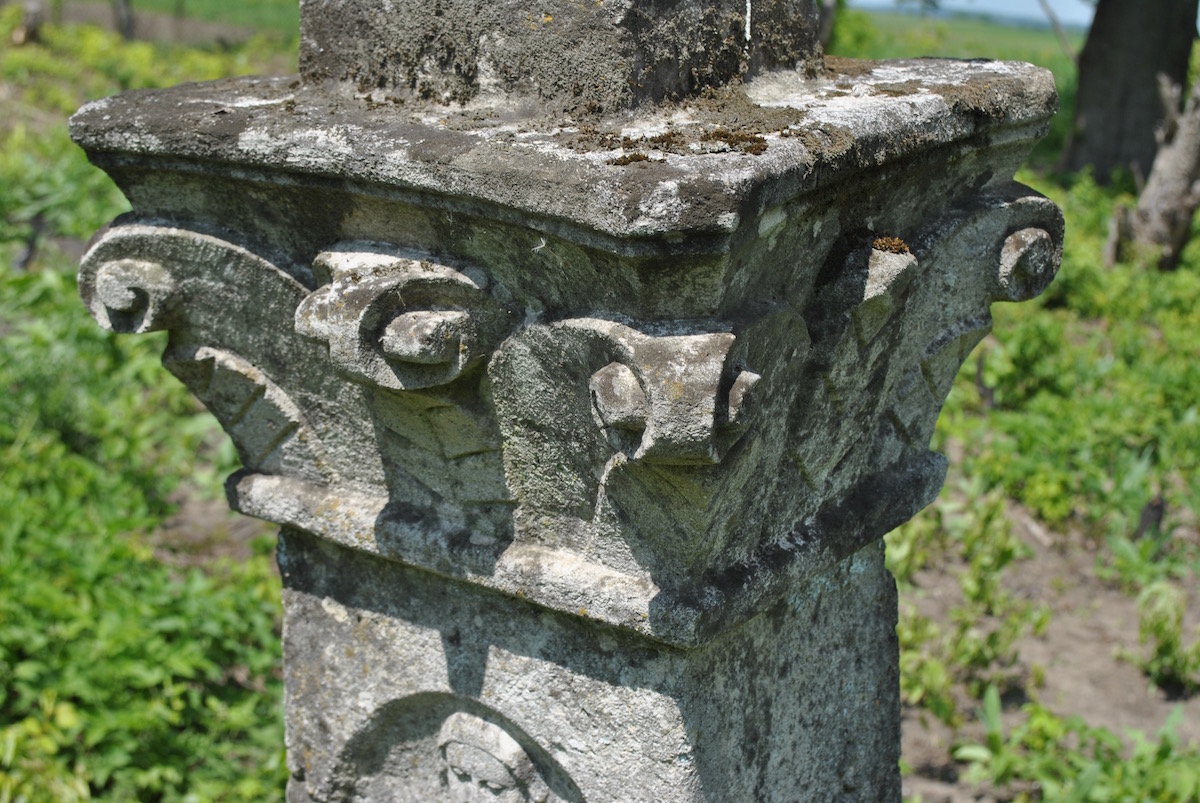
(484, 763)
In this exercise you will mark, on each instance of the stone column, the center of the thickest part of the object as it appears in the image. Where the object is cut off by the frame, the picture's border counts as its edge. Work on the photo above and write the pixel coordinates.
(584, 353)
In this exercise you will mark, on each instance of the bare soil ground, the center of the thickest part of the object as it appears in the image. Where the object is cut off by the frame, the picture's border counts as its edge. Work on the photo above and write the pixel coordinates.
(204, 531)
(1092, 621)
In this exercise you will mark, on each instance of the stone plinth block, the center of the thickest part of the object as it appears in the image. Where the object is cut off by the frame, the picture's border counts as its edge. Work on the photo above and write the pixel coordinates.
(437, 691)
(582, 438)
(580, 57)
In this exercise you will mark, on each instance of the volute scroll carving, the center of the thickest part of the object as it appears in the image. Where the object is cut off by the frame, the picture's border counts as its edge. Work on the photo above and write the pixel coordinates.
(229, 312)
(401, 323)
(1029, 259)
(645, 448)
(599, 516)
(130, 296)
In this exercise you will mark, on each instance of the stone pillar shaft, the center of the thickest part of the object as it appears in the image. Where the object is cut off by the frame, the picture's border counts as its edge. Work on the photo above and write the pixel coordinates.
(803, 698)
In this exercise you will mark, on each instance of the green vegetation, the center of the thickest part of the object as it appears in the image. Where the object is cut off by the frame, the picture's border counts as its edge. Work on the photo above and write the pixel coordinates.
(120, 678)
(42, 172)
(1095, 406)
(1172, 664)
(979, 649)
(1083, 407)
(1050, 758)
(281, 17)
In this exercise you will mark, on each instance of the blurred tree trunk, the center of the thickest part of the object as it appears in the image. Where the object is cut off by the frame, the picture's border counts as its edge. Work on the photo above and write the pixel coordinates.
(1163, 217)
(33, 15)
(1118, 106)
(829, 9)
(123, 17)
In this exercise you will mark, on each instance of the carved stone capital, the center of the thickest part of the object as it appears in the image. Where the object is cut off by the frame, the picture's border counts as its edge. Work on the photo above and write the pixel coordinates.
(582, 463)
(481, 437)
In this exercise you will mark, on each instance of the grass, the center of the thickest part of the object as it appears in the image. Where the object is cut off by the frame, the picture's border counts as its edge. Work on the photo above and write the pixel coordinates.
(1050, 758)
(120, 678)
(125, 679)
(281, 17)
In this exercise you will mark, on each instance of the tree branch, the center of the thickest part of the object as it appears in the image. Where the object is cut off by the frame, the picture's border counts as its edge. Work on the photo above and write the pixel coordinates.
(1059, 31)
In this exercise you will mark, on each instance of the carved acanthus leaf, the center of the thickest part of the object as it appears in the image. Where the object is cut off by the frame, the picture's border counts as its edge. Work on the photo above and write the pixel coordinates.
(266, 426)
(230, 315)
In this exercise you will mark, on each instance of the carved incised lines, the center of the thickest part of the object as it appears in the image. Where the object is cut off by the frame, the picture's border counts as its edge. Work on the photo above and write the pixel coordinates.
(224, 307)
(263, 422)
(652, 448)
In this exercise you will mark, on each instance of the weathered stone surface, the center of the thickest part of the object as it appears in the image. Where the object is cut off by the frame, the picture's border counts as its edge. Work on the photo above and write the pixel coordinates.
(529, 404)
(694, 191)
(583, 437)
(554, 707)
(584, 58)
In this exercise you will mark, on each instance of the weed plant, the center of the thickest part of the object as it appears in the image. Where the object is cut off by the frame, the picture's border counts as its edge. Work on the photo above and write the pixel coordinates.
(43, 176)
(1084, 407)
(1173, 664)
(121, 678)
(1050, 758)
(978, 649)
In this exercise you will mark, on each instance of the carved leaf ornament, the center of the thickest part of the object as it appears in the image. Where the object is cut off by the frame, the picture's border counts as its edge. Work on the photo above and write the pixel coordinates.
(401, 324)
(314, 386)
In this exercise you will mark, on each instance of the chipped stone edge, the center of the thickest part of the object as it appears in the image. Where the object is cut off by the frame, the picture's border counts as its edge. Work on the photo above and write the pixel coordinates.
(550, 578)
(507, 172)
